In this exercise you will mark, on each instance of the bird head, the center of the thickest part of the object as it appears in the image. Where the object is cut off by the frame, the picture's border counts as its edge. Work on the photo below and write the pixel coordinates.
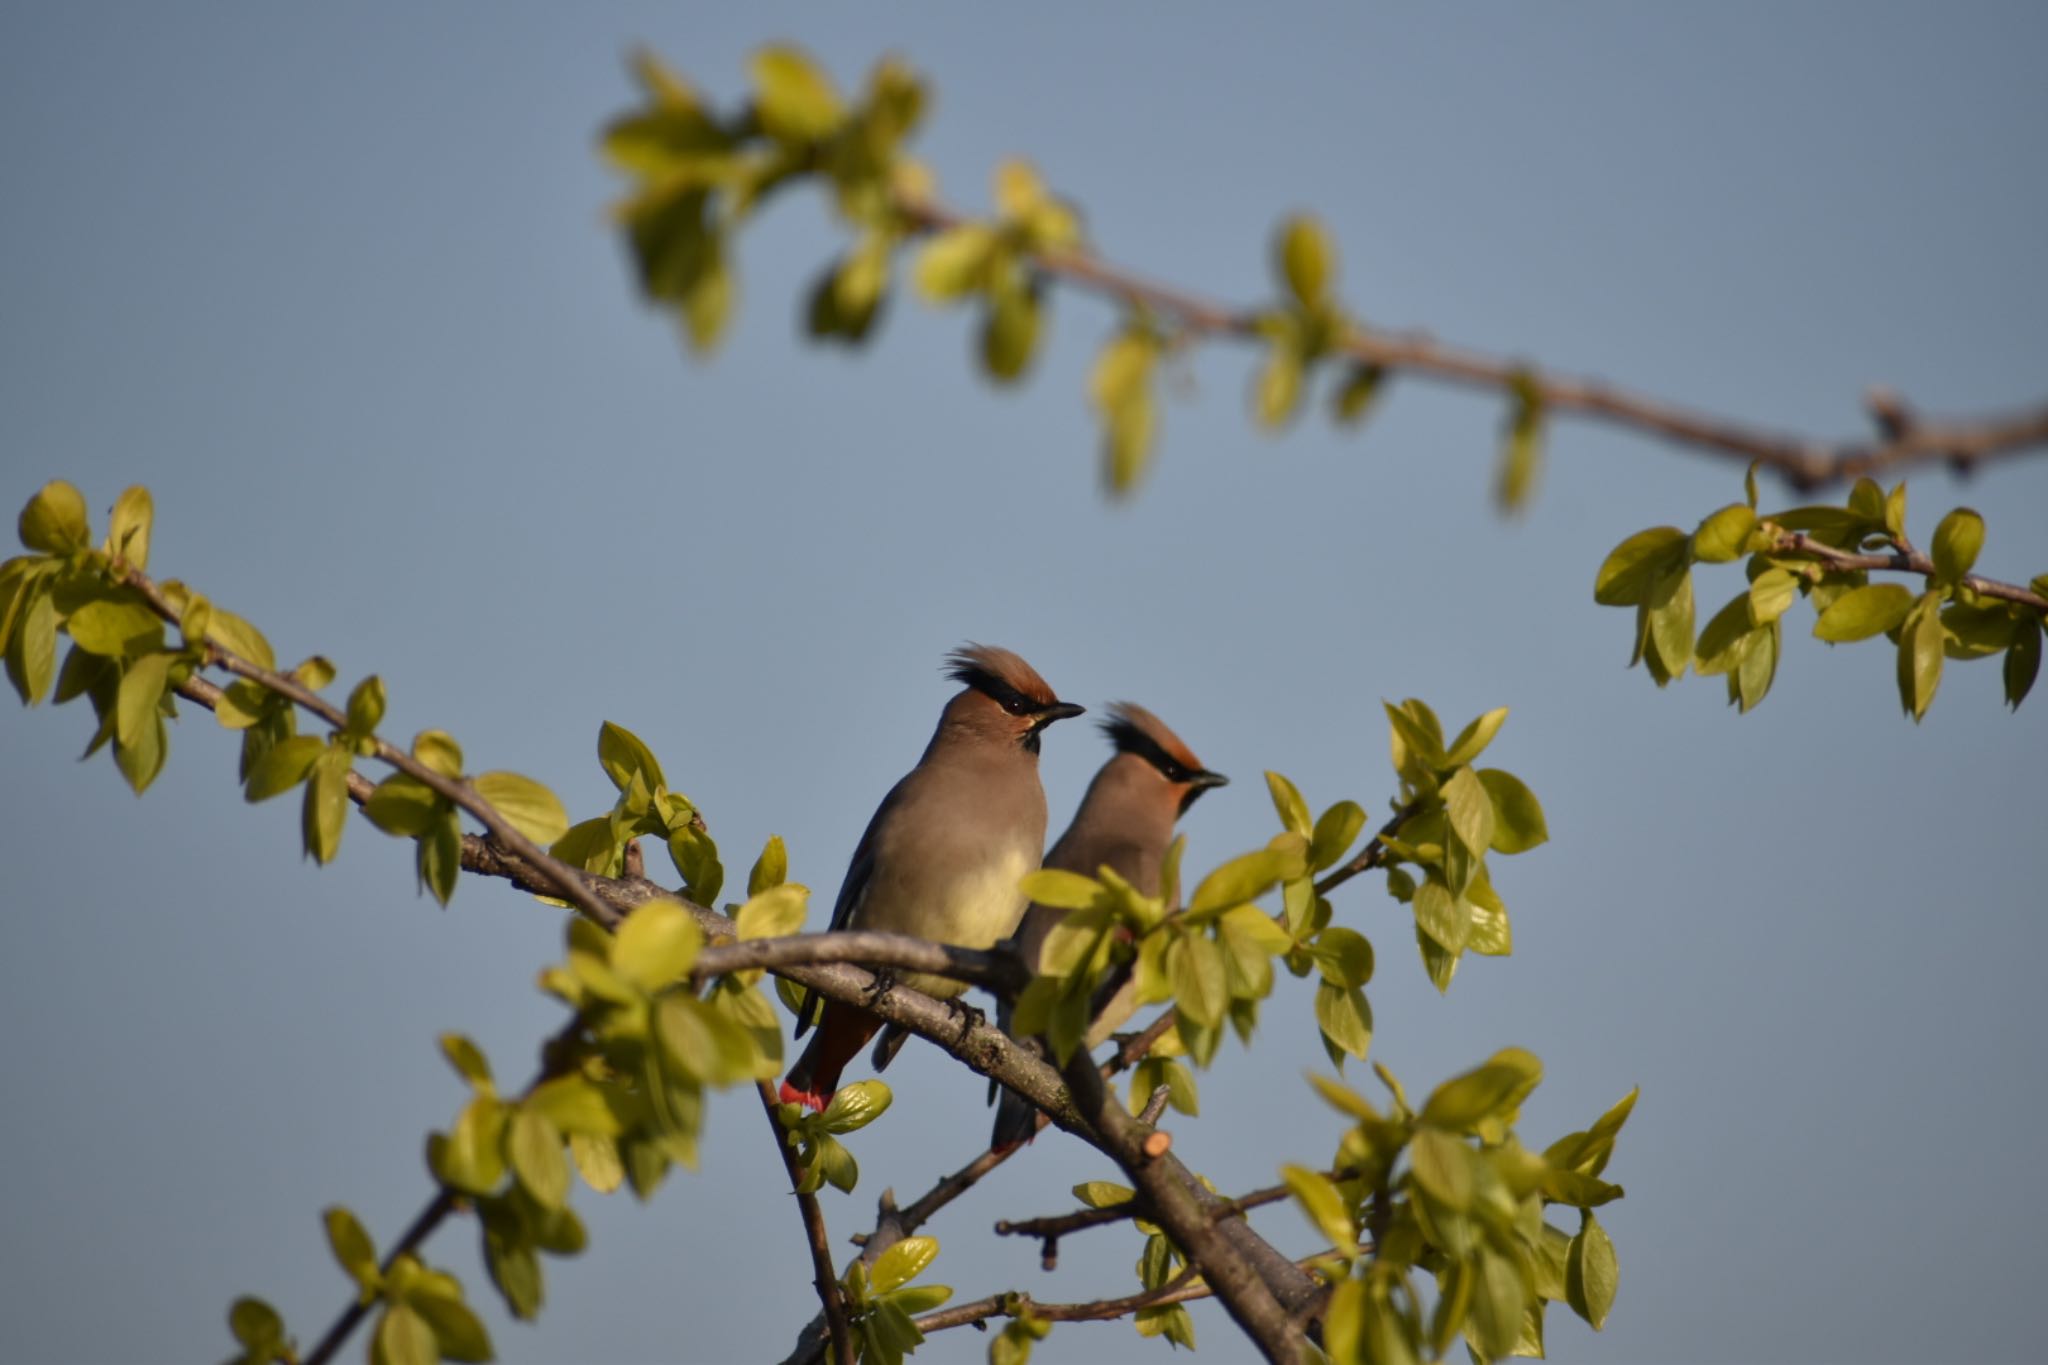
(1004, 696)
(1134, 730)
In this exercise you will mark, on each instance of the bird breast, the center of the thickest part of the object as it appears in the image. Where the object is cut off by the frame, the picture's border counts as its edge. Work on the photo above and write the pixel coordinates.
(970, 902)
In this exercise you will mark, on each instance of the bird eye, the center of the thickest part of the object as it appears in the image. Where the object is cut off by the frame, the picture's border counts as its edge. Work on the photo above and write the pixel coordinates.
(1015, 705)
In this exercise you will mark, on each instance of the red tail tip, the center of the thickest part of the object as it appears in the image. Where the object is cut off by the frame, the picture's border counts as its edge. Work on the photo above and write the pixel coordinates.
(789, 1094)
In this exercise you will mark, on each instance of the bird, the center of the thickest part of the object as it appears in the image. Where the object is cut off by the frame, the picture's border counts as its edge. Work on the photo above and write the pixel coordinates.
(1125, 822)
(943, 855)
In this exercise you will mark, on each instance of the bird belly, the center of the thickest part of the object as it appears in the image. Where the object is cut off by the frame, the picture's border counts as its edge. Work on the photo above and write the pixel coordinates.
(975, 909)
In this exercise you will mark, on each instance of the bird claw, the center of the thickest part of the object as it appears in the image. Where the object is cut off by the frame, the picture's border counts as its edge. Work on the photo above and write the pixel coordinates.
(884, 981)
(968, 1016)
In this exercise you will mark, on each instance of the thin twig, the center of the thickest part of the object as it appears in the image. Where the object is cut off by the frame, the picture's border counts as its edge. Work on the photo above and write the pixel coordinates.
(1059, 1225)
(1906, 559)
(1804, 463)
(824, 1279)
(1182, 1288)
(423, 1225)
(567, 881)
(1372, 855)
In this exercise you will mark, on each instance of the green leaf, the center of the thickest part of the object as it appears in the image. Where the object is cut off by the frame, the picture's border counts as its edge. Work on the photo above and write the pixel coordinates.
(1442, 916)
(115, 627)
(1723, 536)
(1058, 889)
(235, 635)
(903, 1262)
(1103, 1194)
(955, 262)
(287, 763)
(403, 1338)
(143, 758)
(1592, 1272)
(256, 1325)
(533, 1148)
(1499, 1304)
(1243, 878)
(1920, 654)
(771, 869)
(1305, 260)
(1522, 451)
(352, 1249)
(405, 806)
(856, 1106)
(1345, 1018)
(1863, 612)
(773, 913)
(439, 859)
(32, 652)
(1345, 955)
(1335, 831)
(1494, 1090)
(656, 945)
(598, 1160)
(1278, 390)
(366, 706)
(1758, 665)
(515, 1268)
(1324, 1205)
(794, 99)
(2022, 662)
(1442, 1165)
(141, 691)
(468, 1060)
(128, 532)
(1957, 541)
(623, 755)
(1895, 510)
(1356, 395)
(1671, 625)
(1288, 802)
(54, 521)
(1009, 332)
(1473, 739)
(1518, 824)
(1470, 808)
(531, 809)
(458, 1333)
(1194, 964)
(326, 809)
(1633, 567)
(472, 1158)
(1770, 594)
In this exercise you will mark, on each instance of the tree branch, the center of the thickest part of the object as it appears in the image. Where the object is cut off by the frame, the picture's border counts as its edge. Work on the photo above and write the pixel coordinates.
(1182, 1288)
(1906, 559)
(1804, 463)
(1251, 1303)
(814, 1235)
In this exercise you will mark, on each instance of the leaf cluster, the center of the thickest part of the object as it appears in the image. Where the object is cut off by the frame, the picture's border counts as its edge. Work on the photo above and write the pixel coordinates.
(1449, 1192)
(1826, 554)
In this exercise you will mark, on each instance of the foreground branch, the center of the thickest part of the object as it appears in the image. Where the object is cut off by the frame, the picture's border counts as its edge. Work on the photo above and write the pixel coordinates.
(823, 1278)
(1906, 559)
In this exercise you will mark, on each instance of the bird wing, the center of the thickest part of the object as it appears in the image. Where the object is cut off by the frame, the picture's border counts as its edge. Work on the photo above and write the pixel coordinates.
(858, 873)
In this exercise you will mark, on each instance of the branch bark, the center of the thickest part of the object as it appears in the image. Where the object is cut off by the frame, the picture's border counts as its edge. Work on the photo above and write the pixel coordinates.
(823, 1278)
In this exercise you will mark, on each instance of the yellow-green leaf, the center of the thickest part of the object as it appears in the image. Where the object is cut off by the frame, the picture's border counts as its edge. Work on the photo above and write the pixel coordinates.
(532, 809)
(773, 913)
(903, 1262)
(1957, 541)
(1305, 259)
(54, 520)
(955, 262)
(795, 100)
(1633, 567)
(656, 945)
(1723, 536)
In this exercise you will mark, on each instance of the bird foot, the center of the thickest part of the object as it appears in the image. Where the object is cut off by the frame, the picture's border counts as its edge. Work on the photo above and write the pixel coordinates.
(884, 981)
(968, 1017)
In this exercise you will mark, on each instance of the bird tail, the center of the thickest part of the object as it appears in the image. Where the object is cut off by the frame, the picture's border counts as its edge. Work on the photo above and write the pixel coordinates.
(842, 1032)
(1016, 1123)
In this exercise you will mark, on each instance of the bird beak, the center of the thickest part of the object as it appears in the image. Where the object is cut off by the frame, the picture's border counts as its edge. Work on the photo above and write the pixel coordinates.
(1206, 779)
(1060, 710)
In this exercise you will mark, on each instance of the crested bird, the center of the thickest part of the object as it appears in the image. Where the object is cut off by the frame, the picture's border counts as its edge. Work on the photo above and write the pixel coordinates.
(1125, 823)
(944, 853)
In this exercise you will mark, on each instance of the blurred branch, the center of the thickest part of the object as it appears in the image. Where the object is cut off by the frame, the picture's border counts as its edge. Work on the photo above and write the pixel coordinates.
(1905, 439)
(1182, 1288)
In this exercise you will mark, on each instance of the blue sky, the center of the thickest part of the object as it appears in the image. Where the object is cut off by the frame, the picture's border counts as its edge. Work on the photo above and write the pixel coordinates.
(338, 287)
